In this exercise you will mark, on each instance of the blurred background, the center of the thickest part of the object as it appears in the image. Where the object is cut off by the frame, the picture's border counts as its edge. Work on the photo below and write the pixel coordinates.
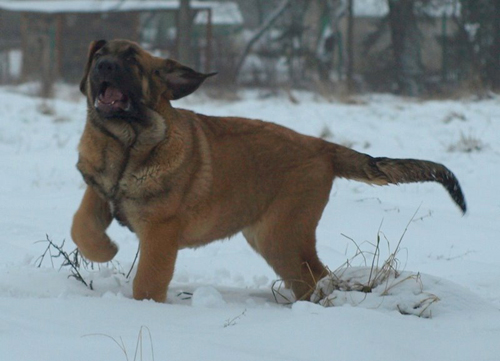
(419, 48)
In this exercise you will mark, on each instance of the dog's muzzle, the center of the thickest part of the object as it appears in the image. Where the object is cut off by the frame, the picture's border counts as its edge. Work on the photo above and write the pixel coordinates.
(111, 99)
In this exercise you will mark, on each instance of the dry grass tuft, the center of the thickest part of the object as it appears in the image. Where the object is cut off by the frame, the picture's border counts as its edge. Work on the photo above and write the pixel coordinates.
(76, 263)
(233, 321)
(46, 108)
(72, 260)
(138, 347)
(326, 133)
(380, 278)
(467, 144)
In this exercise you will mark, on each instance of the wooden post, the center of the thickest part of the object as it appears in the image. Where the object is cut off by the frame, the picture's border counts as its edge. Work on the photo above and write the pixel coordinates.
(443, 49)
(176, 46)
(495, 48)
(137, 26)
(59, 45)
(208, 49)
(184, 32)
(24, 46)
(350, 47)
(47, 57)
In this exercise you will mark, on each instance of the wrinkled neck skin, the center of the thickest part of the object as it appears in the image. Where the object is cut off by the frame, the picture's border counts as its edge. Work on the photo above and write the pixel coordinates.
(138, 133)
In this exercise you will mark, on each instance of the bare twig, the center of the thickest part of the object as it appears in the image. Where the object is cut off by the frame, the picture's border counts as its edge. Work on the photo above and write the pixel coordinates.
(358, 249)
(72, 260)
(135, 259)
(185, 295)
(277, 292)
(232, 321)
(376, 257)
(259, 32)
(139, 343)
(138, 346)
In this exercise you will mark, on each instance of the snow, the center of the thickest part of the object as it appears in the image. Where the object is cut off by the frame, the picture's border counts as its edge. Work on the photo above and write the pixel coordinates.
(370, 8)
(408, 293)
(207, 296)
(220, 304)
(227, 13)
(380, 8)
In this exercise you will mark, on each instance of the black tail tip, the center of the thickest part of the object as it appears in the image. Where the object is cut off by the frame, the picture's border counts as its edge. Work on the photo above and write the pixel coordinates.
(451, 184)
(462, 205)
(457, 195)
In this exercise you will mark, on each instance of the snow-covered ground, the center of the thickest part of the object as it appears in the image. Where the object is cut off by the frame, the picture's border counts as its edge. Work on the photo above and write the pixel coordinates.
(449, 262)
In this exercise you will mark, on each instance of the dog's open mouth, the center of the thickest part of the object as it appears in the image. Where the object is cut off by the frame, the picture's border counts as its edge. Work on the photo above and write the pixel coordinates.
(110, 99)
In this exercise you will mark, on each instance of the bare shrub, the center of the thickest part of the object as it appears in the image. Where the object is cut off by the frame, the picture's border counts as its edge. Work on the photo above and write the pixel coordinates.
(380, 278)
(76, 263)
(467, 144)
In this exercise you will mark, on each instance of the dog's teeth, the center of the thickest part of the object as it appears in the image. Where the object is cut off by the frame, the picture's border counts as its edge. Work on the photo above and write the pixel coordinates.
(96, 103)
(128, 107)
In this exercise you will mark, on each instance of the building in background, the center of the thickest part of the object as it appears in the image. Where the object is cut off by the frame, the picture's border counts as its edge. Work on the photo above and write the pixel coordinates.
(54, 36)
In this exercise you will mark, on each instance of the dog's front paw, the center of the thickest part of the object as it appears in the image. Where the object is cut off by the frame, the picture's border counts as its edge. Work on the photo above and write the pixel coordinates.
(98, 251)
(103, 253)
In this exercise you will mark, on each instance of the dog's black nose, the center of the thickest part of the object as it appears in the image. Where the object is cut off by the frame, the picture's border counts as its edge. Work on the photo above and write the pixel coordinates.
(106, 66)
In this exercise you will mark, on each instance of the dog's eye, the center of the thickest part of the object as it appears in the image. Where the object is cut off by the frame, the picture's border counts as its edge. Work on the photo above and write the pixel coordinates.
(130, 60)
(156, 72)
(97, 55)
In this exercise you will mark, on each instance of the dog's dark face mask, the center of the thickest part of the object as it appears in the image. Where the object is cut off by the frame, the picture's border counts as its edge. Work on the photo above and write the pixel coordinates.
(122, 81)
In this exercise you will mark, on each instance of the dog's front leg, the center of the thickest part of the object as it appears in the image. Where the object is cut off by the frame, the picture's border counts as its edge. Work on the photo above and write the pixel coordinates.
(89, 228)
(159, 247)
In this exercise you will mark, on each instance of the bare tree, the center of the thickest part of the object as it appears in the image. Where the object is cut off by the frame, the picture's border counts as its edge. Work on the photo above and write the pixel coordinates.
(261, 30)
(476, 45)
(319, 36)
(405, 39)
(350, 46)
(495, 49)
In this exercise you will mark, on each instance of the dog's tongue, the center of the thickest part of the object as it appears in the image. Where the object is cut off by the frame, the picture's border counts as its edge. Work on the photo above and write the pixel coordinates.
(111, 100)
(111, 94)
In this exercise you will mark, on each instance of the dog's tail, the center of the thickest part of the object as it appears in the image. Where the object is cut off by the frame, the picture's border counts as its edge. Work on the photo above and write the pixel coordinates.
(350, 164)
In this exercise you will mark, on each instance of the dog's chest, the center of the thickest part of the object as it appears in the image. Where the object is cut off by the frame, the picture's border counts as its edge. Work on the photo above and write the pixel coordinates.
(119, 177)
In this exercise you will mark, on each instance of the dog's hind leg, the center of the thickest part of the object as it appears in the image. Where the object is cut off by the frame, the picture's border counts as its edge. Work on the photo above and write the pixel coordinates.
(285, 237)
(291, 251)
(88, 230)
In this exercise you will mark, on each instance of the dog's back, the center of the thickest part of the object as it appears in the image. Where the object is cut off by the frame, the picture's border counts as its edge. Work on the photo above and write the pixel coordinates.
(271, 152)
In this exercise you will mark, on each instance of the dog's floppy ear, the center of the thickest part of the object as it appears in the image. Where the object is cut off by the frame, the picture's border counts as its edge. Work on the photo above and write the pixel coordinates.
(93, 48)
(180, 79)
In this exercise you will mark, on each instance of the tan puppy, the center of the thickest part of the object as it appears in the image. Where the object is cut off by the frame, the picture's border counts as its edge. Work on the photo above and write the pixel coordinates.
(180, 179)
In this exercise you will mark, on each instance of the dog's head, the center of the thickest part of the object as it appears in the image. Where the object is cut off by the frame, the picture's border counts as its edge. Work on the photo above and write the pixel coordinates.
(121, 80)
